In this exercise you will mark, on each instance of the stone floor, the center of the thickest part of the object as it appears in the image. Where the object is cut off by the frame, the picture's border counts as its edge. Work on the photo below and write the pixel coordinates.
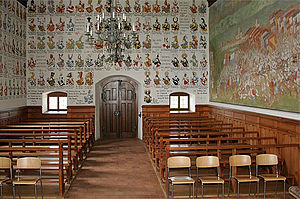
(121, 169)
(117, 169)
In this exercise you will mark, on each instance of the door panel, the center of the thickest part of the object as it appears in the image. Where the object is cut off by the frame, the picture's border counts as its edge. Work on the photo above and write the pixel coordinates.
(119, 110)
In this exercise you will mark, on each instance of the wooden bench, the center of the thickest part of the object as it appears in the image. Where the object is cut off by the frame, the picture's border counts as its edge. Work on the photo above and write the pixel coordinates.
(147, 121)
(196, 124)
(190, 132)
(50, 134)
(87, 129)
(60, 155)
(235, 149)
(88, 122)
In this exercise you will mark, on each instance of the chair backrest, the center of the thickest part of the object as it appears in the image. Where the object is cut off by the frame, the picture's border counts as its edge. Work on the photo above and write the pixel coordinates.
(239, 160)
(266, 159)
(207, 162)
(29, 163)
(5, 163)
(179, 162)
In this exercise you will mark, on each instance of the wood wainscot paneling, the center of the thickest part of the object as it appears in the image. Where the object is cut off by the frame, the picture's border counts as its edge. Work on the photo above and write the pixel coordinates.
(35, 112)
(287, 131)
(13, 115)
(155, 110)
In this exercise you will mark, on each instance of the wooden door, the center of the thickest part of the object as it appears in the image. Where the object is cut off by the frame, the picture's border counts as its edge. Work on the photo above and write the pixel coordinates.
(119, 110)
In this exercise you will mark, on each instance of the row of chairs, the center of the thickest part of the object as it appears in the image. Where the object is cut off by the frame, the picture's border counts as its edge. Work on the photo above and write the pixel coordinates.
(184, 162)
(26, 163)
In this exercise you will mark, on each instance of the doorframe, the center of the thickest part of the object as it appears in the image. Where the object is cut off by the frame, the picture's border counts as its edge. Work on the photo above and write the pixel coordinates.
(98, 92)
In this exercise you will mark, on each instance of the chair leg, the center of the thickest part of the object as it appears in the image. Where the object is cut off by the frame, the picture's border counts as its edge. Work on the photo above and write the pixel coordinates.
(35, 194)
(42, 191)
(223, 190)
(196, 189)
(265, 185)
(284, 189)
(238, 190)
(257, 190)
(1, 187)
(172, 191)
(14, 192)
(218, 190)
(190, 191)
(249, 187)
(167, 189)
(228, 192)
(202, 190)
(193, 190)
(19, 191)
(276, 188)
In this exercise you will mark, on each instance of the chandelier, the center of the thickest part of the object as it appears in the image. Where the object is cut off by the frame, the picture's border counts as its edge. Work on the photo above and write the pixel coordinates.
(113, 33)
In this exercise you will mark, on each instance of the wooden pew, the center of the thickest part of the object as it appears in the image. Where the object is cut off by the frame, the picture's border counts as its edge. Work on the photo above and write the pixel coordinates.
(184, 125)
(49, 159)
(235, 149)
(179, 119)
(59, 150)
(57, 125)
(89, 123)
(73, 137)
(193, 131)
(48, 134)
(88, 130)
(197, 137)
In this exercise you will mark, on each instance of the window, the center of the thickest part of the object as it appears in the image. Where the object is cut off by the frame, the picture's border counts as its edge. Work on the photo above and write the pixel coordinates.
(179, 101)
(57, 102)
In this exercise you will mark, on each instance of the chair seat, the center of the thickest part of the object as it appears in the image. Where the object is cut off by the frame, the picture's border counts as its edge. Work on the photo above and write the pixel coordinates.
(211, 180)
(3, 180)
(271, 177)
(26, 181)
(245, 178)
(182, 180)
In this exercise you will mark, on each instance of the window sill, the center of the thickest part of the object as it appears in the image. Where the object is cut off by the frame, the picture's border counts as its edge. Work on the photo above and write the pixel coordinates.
(56, 112)
(181, 112)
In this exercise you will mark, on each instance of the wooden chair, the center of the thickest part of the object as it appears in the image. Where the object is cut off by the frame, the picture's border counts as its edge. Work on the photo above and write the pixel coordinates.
(239, 161)
(28, 163)
(209, 162)
(5, 164)
(179, 162)
(269, 160)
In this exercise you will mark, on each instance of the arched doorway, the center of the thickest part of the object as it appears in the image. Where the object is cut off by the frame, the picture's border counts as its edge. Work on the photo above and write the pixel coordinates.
(118, 107)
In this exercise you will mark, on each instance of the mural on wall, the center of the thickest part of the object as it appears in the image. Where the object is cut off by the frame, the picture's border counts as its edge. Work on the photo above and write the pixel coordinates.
(255, 53)
(170, 54)
(12, 52)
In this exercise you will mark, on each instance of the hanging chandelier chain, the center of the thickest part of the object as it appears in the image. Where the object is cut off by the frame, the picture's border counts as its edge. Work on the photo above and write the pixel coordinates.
(114, 31)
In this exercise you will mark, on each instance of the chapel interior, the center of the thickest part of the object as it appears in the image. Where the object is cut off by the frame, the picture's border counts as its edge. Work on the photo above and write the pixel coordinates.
(149, 99)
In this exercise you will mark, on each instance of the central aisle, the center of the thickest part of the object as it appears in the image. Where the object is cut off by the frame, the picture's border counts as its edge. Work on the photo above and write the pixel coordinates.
(117, 169)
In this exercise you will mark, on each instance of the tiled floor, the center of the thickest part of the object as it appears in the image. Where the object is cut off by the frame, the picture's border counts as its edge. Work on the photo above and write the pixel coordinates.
(117, 169)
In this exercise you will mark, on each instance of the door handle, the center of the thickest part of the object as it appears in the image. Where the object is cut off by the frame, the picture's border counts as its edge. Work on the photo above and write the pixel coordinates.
(117, 113)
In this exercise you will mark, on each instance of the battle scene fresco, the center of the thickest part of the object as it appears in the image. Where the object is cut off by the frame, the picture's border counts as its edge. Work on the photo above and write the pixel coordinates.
(254, 53)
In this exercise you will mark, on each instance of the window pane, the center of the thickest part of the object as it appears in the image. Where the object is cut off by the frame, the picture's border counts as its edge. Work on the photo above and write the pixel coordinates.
(53, 103)
(184, 102)
(62, 102)
(173, 101)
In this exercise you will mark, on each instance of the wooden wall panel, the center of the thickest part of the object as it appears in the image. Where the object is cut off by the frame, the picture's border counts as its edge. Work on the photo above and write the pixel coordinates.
(35, 112)
(286, 130)
(12, 115)
(155, 110)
